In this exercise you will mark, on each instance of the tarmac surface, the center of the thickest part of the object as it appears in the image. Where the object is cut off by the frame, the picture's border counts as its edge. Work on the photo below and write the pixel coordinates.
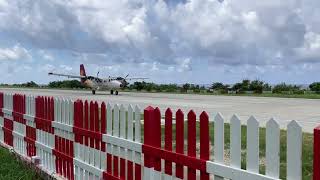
(305, 111)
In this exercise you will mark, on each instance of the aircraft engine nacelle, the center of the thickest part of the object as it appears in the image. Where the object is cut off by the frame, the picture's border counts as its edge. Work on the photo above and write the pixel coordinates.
(115, 85)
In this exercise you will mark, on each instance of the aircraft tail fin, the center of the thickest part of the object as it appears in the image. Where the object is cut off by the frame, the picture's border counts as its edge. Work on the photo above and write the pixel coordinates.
(82, 72)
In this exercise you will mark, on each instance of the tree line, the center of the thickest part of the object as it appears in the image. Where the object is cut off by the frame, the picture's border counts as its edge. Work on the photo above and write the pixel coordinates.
(255, 86)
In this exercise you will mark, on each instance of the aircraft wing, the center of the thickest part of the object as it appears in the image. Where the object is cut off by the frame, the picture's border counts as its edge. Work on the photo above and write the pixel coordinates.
(66, 75)
(136, 78)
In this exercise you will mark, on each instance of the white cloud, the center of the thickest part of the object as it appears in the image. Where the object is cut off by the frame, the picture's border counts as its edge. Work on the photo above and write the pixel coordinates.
(15, 53)
(167, 35)
(45, 55)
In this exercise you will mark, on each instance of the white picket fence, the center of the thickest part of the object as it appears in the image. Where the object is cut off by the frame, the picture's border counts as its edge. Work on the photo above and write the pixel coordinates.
(272, 159)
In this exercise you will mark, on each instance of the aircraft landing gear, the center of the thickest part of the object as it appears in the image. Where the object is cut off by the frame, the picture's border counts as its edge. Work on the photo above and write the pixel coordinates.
(93, 92)
(115, 92)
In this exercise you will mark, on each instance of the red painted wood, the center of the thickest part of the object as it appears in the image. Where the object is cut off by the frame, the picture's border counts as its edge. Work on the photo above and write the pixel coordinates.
(81, 121)
(204, 142)
(86, 121)
(192, 142)
(122, 168)
(137, 172)
(109, 163)
(316, 153)
(91, 124)
(103, 124)
(97, 125)
(157, 136)
(115, 166)
(108, 176)
(130, 170)
(148, 118)
(1, 101)
(168, 139)
(30, 141)
(179, 141)
(76, 119)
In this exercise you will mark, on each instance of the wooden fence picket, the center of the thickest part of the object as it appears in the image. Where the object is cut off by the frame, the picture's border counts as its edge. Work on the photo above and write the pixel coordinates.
(192, 138)
(179, 141)
(272, 149)
(253, 145)
(294, 151)
(235, 142)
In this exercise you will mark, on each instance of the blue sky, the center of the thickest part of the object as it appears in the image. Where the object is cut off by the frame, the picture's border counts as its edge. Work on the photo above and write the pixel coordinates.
(197, 41)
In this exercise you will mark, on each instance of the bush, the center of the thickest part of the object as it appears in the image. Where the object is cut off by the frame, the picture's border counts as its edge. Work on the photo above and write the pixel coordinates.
(66, 84)
(283, 87)
(315, 86)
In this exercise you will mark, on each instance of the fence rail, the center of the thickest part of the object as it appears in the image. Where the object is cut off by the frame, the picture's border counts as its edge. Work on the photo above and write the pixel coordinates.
(86, 140)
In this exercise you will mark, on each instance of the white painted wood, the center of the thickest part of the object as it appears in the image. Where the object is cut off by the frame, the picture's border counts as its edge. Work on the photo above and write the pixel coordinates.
(116, 133)
(89, 168)
(109, 119)
(219, 138)
(130, 123)
(122, 122)
(137, 119)
(67, 112)
(272, 149)
(235, 142)
(117, 141)
(253, 145)
(137, 133)
(122, 130)
(116, 121)
(147, 173)
(233, 172)
(294, 151)
(130, 133)
(56, 118)
(71, 105)
(218, 141)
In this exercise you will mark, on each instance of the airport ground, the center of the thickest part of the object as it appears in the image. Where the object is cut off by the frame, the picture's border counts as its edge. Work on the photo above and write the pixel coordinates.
(305, 111)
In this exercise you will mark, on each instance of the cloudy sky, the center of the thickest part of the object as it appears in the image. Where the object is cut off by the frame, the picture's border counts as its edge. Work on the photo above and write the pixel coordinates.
(170, 41)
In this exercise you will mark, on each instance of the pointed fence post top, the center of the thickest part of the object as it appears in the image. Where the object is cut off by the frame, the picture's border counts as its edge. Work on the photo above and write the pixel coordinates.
(179, 114)
(294, 125)
(253, 121)
(204, 115)
(191, 114)
(272, 123)
(168, 112)
(130, 109)
(219, 118)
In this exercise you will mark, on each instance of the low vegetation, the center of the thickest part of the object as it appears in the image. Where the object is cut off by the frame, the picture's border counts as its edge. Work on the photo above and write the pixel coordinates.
(11, 168)
(245, 87)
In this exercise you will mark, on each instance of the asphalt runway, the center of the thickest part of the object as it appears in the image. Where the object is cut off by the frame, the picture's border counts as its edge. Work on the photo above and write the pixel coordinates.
(305, 111)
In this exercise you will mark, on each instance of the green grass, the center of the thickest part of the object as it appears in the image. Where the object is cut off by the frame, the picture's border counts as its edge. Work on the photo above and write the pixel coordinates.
(307, 151)
(11, 168)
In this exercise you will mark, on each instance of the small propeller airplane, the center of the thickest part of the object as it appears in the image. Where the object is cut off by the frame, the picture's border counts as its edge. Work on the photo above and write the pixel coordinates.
(95, 83)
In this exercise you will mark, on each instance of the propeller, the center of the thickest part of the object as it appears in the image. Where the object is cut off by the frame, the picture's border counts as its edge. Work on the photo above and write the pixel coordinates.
(125, 80)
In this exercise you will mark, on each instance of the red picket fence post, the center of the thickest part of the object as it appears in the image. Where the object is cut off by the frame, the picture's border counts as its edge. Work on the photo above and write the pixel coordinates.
(1, 103)
(148, 135)
(204, 143)
(179, 141)
(168, 140)
(316, 153)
